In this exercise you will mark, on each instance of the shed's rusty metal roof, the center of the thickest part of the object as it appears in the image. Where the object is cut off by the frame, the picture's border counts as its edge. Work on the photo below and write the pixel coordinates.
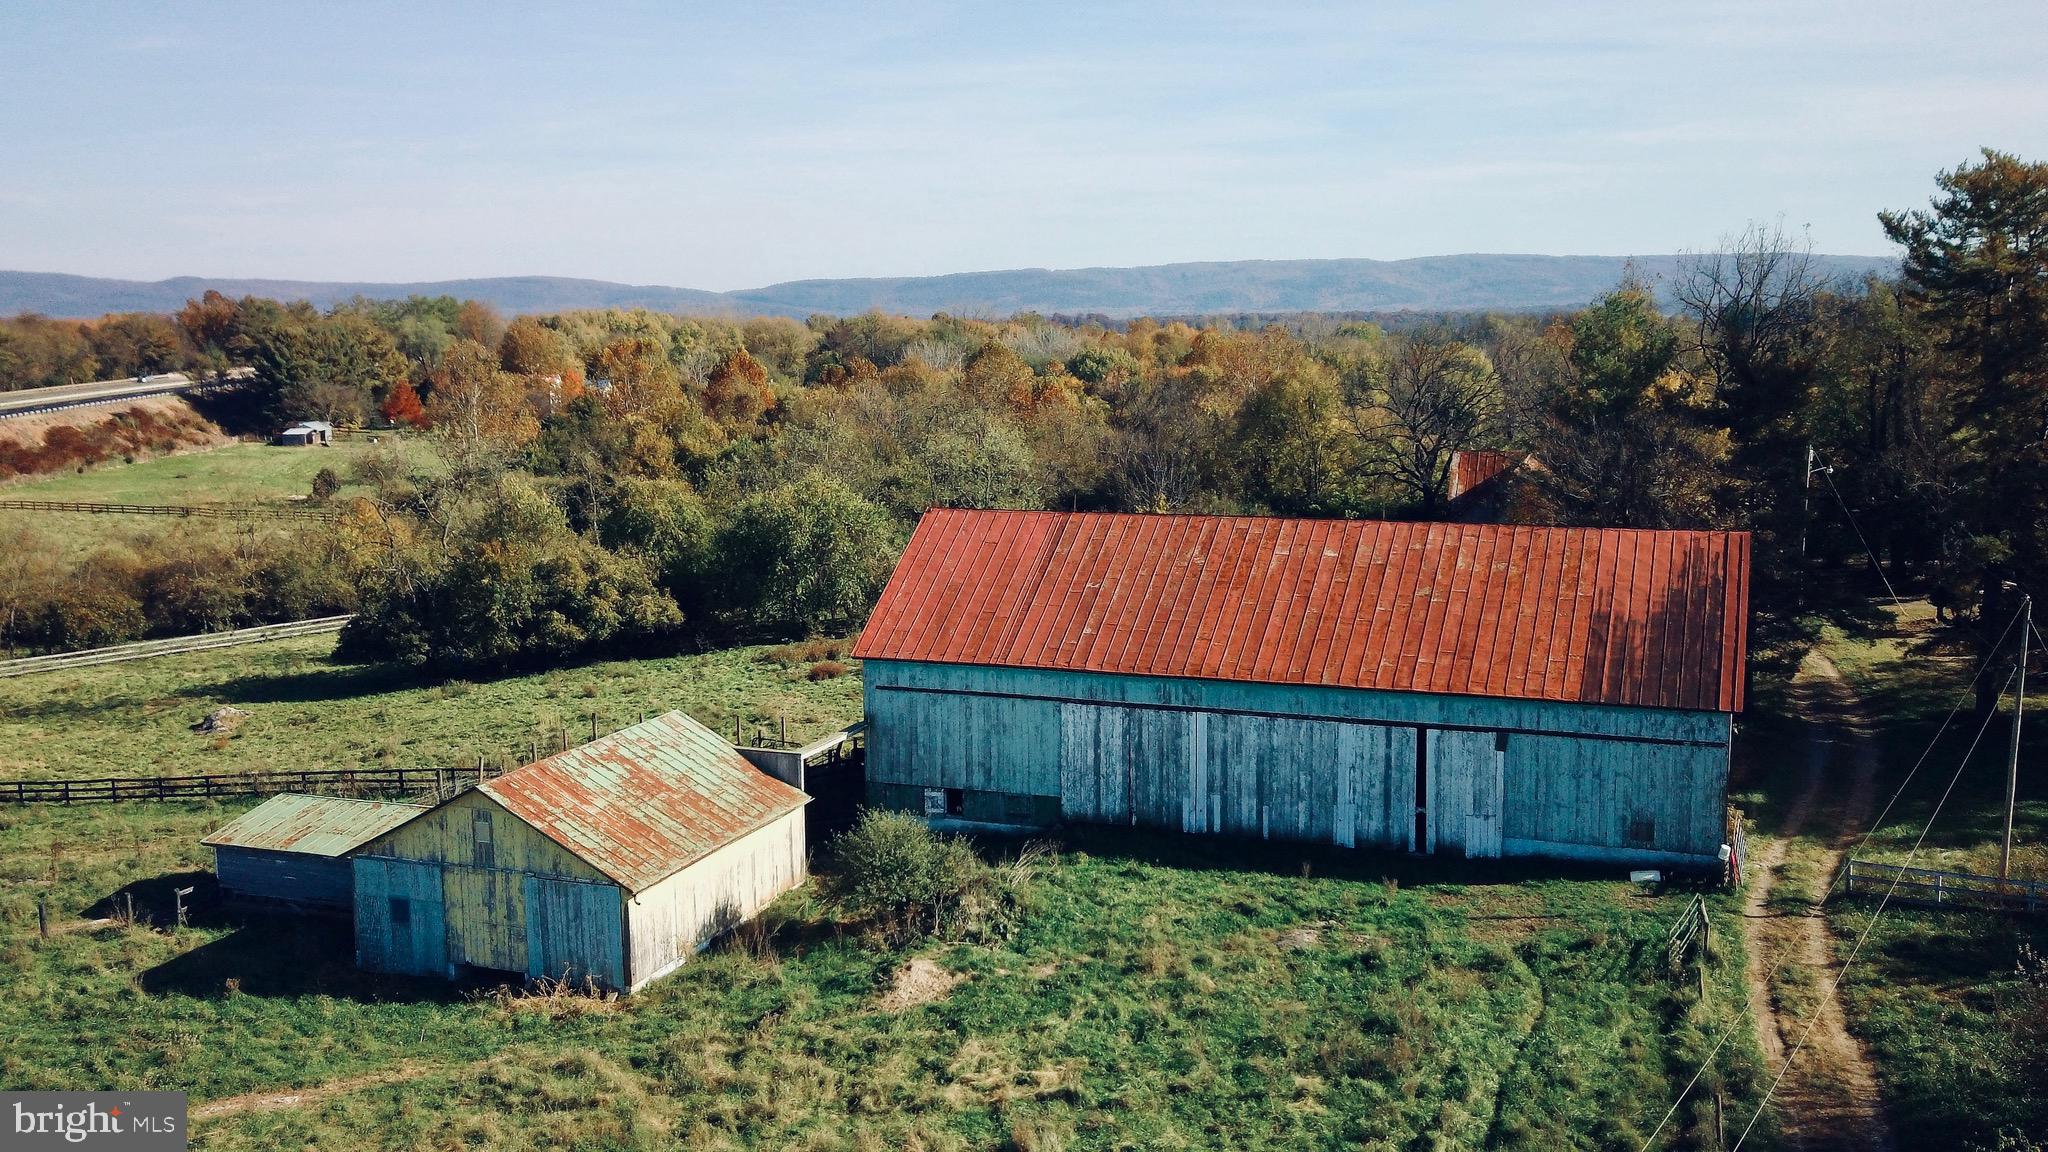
(1474, 467)
(646, 801)
(1592, 615)
(312, 825)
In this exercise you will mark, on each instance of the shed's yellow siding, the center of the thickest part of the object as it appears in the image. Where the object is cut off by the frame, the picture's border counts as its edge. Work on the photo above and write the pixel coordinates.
(484, 900)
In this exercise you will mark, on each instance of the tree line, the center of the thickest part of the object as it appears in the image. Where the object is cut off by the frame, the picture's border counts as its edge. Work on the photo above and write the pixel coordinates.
(614, 477)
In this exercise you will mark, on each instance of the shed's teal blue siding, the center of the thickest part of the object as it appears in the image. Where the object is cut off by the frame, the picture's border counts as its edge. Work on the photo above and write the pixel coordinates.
(1313, 763)
(417, 945)
(296, 878)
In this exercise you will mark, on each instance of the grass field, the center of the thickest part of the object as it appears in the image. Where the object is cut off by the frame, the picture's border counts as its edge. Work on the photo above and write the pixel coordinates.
(309, 712)
(231, 472)
(1163, 992)
(1935, 994)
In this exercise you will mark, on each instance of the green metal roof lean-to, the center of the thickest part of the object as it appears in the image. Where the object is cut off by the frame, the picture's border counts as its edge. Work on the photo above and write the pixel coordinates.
(312, 825)
(646, 801)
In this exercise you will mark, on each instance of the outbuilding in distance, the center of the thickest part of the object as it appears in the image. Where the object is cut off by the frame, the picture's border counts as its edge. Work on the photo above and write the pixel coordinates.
(612, 863)
(292, 850)
(1476, 690)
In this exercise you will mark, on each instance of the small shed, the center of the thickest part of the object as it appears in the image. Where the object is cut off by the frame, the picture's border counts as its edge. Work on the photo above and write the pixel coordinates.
(293, 850)
(1473, 690)
(307, 432)
(614, 862)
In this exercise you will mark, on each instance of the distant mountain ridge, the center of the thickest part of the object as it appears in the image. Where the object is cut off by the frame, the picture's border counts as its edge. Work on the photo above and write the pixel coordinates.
(1470, 282)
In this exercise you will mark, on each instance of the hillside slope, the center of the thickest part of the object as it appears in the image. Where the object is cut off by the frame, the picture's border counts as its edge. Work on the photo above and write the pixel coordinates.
(1430, 284)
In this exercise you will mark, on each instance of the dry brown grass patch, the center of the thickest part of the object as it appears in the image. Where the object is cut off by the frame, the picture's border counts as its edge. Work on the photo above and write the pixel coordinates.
(919, 982)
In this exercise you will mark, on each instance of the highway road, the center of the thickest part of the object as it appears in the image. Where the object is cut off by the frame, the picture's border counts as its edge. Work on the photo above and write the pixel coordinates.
(30, 401)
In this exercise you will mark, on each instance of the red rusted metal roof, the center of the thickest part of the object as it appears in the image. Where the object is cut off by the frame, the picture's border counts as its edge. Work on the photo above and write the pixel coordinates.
(1592, 615)
(1471, 468)
(646, 801)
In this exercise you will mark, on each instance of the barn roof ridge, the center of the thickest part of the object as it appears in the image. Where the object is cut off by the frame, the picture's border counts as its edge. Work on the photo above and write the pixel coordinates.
(1654, 618)
(647, 801)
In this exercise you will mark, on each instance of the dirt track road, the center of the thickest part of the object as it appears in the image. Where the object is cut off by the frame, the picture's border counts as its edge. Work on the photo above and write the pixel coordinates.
(1829, 1098)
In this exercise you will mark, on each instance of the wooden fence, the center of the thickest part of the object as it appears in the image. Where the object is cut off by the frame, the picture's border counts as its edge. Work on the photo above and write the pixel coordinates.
(197, 511)
(1935, 888)
(170, 646)
(1738, 847)
(1691, 931)
(421, 782)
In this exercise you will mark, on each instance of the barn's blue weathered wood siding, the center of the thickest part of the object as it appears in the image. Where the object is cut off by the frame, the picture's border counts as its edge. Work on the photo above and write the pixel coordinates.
(401, 923)
(297, 878)
(1521, 777)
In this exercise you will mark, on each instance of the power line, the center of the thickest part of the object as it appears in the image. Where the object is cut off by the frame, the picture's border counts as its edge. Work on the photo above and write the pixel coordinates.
(1962, 698)
(1828, 474)
(1863, 937)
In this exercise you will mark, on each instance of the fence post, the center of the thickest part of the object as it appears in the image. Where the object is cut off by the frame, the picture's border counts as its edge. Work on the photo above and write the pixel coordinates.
(43, 916)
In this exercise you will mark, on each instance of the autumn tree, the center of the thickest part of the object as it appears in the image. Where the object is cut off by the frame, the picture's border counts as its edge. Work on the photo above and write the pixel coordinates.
(736, 393)
(402, 406)
(478, 409)
(1430, 398)
(1625, 442)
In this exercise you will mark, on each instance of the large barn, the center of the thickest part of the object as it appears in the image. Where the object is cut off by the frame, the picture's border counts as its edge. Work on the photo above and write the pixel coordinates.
(613, 862)
(1480, 690)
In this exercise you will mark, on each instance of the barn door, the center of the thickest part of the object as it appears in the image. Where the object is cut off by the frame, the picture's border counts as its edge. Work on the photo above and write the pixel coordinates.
(401, 923)
(1464, 793)
(1095, 764)
(1483, 823)
(572, 931)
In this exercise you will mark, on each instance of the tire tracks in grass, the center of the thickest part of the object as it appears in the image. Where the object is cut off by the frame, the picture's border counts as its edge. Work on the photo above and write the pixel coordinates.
(1829, 1097)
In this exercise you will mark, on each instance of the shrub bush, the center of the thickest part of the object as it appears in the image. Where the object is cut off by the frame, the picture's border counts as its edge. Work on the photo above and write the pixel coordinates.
(898, 874)
(325, 484)
(826, 670)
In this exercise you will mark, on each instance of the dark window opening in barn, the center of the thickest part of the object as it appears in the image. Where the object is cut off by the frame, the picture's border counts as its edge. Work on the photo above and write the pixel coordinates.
(1017, 809)
(1421, 790)
(956, 801)
(401, 912)
(486, 854)
(1500, 741)
(1642, 831)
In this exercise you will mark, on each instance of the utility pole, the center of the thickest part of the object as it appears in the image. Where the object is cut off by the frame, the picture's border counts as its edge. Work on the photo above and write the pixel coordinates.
(1805, 507)
(2012, 763)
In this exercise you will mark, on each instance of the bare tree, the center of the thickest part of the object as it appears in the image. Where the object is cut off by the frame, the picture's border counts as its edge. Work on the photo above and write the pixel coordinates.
(1433, 397)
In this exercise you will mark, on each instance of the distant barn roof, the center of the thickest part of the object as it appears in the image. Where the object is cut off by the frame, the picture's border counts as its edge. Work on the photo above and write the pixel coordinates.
(1609, 616)
(313, 825)
(646, 801)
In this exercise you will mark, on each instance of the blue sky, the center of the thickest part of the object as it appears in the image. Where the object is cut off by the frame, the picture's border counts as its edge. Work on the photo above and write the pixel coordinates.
(733, 146)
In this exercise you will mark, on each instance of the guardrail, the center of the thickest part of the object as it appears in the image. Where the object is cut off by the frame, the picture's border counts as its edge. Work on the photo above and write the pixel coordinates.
(200, 511)
(170, 646)
(35, 401)
(420, 782)
(1936, 888)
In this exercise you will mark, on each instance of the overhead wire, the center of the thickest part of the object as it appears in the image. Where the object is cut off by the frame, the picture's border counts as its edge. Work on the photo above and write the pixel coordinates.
(1863, 937)
(1828, 474)
(1962, 698)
